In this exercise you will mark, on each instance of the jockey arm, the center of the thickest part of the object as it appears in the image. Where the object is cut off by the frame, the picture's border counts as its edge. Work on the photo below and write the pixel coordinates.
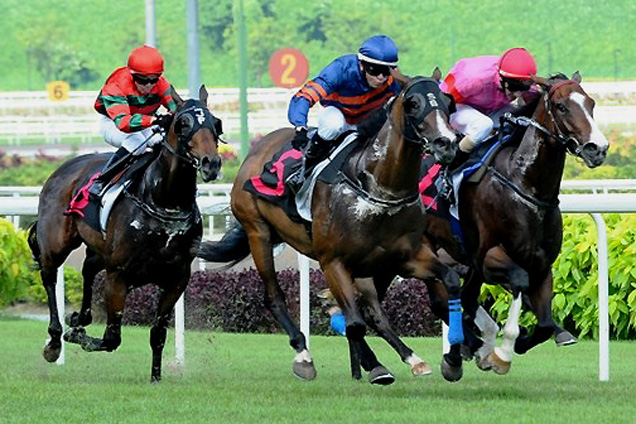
(312, 92)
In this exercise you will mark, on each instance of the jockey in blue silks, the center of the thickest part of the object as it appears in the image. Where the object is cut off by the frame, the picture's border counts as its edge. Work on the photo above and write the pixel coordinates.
(349, 88)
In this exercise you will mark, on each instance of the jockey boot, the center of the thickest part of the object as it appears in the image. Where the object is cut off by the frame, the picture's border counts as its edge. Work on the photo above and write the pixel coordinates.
(312, 156)
(114, 165)
(466, 146)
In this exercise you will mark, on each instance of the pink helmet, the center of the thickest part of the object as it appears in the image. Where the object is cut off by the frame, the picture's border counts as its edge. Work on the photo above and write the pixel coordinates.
(145, 60)
(518, 64)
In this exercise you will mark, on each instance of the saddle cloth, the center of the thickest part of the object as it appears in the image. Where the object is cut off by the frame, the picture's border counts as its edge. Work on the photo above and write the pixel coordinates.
(96, 214)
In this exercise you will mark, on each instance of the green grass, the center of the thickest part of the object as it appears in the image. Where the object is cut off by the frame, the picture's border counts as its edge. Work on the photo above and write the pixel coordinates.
(237, 378)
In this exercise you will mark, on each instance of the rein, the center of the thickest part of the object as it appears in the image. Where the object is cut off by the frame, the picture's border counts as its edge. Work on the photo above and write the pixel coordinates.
(162, 214)
(405, 201)
(505, 181)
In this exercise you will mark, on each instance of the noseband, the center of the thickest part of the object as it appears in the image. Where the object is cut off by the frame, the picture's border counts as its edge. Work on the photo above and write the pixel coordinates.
(194, 116)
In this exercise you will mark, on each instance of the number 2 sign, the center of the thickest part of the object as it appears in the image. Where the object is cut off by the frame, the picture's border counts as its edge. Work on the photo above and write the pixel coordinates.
(288, 68)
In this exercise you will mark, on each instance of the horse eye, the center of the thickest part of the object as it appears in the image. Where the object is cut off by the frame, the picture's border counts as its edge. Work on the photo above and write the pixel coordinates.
(561, 107)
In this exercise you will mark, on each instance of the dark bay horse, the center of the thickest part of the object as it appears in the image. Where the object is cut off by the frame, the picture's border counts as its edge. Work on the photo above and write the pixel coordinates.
(358, 230)
(511, 221)
(152, 236)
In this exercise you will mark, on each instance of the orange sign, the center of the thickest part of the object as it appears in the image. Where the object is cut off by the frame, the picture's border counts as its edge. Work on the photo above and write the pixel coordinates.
(288, 68)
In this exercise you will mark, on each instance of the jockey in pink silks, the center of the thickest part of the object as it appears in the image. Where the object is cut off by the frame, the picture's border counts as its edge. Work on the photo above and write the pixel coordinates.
(484, 88)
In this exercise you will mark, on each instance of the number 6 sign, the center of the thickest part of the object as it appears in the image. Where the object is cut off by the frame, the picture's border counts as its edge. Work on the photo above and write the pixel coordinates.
(288, 68)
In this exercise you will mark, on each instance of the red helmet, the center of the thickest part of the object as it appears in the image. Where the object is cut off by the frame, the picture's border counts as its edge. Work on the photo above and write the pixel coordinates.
(145, 60)
(518, 64)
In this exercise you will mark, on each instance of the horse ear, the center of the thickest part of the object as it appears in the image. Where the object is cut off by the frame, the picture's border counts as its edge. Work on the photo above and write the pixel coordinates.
(203, 94)
(540, 80)
(437, 74)
(577, 77)
(401, 79)
(175, 96)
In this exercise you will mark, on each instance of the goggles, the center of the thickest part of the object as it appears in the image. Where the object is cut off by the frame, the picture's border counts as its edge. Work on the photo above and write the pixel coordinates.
(145, 79)
(515, 85)
(374, 70)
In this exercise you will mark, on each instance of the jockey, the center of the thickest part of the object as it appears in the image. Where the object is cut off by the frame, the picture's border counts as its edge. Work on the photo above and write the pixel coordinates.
(127, 102)
(349, 88)
(484, 88)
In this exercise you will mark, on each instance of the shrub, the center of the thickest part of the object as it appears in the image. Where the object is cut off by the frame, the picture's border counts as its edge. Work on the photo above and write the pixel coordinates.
(15, 260)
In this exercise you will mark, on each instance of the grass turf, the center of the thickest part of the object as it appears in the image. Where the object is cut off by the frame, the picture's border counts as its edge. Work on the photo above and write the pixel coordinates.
(246, 378)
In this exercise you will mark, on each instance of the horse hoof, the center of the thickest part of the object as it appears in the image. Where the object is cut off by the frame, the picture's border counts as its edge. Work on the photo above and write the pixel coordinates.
(74, 335)
(51, 354)
(451, 373)
(380, 375)
(421, 368)
(483, 364)
(72, 319)
(304, 370)
(499, 366)
(565, 339)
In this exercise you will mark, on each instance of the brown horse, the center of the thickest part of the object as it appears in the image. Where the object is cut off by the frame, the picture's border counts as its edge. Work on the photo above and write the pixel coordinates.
(153, 231)
(511, 221)
(364, 225)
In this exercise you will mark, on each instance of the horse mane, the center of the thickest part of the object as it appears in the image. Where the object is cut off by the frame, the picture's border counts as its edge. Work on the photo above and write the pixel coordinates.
(371, 125)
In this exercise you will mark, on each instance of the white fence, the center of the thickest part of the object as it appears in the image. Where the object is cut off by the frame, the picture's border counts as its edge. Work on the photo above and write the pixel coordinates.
(16, 201)
(30, 115)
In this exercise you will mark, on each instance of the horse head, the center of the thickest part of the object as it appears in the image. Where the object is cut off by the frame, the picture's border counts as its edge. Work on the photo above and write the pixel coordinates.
(571, 111)
(194, 135)
(426, 111)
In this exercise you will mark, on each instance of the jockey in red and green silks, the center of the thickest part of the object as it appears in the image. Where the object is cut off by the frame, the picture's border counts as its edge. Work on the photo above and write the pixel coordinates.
(484, 88)
(127, 103)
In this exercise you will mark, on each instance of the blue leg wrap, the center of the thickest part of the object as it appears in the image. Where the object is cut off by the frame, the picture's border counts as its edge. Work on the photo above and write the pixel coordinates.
(455, 329)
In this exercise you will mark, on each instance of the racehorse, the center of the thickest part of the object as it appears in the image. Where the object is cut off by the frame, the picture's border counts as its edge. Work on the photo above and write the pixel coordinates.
(152, 236)
(510, 219)
(363, 225)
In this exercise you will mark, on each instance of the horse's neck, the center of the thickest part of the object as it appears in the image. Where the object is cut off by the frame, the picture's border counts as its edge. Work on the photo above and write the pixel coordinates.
(170, 183)
(538, 162)
(391, 164)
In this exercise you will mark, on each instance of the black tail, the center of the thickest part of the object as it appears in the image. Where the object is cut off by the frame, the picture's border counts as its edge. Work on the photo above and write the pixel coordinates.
(233, 247)
(32, 239)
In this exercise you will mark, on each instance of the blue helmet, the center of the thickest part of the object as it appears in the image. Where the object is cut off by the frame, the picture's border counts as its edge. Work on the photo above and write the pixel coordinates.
(380, 50)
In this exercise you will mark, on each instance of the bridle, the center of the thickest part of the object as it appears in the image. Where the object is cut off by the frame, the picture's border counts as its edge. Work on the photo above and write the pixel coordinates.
(191, 119)
(428, 92)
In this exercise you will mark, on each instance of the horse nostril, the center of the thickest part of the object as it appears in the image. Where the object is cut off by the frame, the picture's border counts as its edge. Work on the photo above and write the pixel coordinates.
(205, 162)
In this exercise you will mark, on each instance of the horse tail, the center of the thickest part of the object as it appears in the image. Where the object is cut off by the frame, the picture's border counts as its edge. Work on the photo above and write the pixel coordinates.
(32, 239)
(233, 247)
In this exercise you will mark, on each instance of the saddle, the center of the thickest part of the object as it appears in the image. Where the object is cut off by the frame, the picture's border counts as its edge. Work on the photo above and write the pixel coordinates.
(95, 212)
(270, 185)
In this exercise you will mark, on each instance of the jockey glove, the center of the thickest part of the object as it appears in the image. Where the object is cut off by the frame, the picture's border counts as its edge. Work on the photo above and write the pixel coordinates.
(300, 139)
(164, 121)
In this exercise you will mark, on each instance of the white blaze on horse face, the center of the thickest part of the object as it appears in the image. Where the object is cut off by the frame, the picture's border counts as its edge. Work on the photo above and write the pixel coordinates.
(443, 126)
(596, 135)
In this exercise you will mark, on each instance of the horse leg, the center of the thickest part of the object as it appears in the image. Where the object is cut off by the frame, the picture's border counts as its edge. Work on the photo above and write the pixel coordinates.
(91, 267)
(341, 285)
(53, 346)
(376, 318)
(115, 291)
(499, 267)
(160, 326)
(562, 337)
(260, 245)
(540, 298)
(426, 265)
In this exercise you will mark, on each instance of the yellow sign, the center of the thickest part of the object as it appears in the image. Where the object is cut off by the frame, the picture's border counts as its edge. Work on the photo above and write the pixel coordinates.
(58, 90)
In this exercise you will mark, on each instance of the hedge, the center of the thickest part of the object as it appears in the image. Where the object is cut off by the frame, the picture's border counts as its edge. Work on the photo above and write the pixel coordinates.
(235, 302)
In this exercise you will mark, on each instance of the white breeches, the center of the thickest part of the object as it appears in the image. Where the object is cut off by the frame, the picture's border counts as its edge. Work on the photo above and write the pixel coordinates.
(129, 141)
(332, 123)
(471, 122)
